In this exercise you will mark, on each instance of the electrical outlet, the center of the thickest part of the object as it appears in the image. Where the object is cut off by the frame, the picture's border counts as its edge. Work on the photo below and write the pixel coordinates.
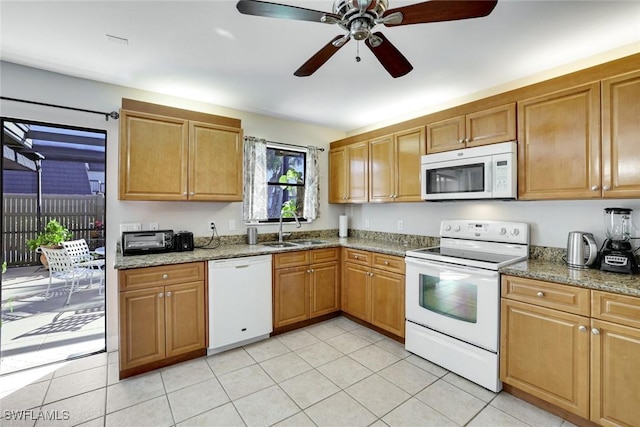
(212, 225)
(232, 224)
(130, 226)
(153, 226)
(366, 223)
(400, 225)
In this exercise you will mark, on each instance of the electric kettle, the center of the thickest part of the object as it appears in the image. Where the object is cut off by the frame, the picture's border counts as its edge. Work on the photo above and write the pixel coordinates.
(581, 249)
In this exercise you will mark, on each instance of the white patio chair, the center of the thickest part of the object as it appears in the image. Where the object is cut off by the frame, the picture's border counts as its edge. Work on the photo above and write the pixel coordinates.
(61, 266)
(81, 256)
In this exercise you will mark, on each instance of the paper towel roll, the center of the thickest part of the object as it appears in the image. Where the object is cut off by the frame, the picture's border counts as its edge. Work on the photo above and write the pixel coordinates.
(343, 230)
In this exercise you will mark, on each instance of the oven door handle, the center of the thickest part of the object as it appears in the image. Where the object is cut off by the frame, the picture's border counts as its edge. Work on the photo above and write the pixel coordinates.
(452, 267)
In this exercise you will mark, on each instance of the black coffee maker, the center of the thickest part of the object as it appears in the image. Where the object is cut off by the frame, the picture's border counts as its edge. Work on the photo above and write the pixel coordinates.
(617, 255)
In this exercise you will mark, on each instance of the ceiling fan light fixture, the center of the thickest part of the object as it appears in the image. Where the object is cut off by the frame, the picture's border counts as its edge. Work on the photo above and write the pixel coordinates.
(360, 29)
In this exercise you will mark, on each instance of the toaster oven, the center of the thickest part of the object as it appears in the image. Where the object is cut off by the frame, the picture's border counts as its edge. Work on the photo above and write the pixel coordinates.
(147, 242)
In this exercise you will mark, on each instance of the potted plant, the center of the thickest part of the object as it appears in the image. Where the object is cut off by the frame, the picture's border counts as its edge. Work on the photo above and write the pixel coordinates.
(53, 234)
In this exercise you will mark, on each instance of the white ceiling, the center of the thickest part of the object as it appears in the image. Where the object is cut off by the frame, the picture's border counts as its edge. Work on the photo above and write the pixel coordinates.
(207, 51)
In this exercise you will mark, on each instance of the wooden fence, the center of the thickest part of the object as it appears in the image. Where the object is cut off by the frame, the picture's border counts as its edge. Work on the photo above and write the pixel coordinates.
(20, 222)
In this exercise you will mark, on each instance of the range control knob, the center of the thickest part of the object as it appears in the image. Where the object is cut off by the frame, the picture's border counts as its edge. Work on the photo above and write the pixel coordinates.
(447, 227)
(457, 228)
(515, 232)
(503, 231)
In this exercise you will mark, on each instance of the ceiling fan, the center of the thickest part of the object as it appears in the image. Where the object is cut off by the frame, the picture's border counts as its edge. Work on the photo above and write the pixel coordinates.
(359, 17)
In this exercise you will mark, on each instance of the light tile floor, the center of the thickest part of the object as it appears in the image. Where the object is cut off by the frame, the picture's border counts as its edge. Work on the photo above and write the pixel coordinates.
(335, 373)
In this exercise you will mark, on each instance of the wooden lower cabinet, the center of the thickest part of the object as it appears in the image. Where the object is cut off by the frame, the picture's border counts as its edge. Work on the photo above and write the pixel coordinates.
(544, 353)
(160, 322)
(305, 286)
(585, 364)
(373, 289)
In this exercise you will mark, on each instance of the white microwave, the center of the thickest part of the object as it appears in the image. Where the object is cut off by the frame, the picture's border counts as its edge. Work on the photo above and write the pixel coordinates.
(485, 172)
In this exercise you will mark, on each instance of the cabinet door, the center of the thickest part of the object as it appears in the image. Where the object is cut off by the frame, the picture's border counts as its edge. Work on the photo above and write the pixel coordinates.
(615, 379)
(142, 327)
(324, 288)
(446, 135)
(381, 169)
(215, 162)
(491, 126)
(409, 147)
(358, 172)
(387, 301)
(153, 157)
(291, 295)
(546, 353)
(338, 175)
(559, 145)
(185, 318)
(620, 131)
(356, 293)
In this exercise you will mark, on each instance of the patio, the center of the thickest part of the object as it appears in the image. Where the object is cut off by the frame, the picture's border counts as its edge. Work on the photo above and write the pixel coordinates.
(37, 330)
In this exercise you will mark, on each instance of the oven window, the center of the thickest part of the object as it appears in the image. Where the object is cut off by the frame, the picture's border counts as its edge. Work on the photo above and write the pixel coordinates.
(456, 179)
(449, 297)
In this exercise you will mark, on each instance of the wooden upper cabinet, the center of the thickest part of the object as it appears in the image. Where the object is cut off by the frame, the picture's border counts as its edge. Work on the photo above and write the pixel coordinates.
(559, 145)
(621, 136)
(394, 166)
(409, 146)
(446, 135)
(484, 127)
(349, 173)
(381, 169)
(491, 126)
(154, 152)
(215, 162)
(170, 158)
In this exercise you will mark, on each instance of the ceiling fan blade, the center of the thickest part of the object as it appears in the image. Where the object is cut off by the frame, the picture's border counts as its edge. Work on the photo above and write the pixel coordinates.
(283, 11)
(322, 56)
(391, 59)
(441, 10)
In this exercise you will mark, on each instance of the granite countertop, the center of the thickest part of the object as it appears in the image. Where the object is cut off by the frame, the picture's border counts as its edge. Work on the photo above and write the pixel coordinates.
(244, 250)
(558, 272)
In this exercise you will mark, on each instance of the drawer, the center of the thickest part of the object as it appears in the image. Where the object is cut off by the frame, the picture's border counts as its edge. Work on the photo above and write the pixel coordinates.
(616, 308)
(145, 277)
(388, 263)
(323, 255)
(546, 294)
(291, 259)
(357, 256)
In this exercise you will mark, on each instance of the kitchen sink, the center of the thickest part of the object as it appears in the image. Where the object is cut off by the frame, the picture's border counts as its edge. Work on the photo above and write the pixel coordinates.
(307, 242)
(278, 244)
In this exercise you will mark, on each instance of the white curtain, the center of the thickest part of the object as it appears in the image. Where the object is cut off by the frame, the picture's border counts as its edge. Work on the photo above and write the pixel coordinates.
(311, 185)
(254, 204)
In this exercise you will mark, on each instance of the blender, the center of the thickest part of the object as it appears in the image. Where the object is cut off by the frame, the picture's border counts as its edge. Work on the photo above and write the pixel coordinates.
(617, 255)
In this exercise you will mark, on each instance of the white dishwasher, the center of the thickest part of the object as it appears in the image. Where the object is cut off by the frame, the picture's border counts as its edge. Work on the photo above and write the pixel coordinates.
(240, 302)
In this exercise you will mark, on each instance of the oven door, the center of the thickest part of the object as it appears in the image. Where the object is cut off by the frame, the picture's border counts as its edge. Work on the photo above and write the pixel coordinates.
(462, 302)
(468, 178)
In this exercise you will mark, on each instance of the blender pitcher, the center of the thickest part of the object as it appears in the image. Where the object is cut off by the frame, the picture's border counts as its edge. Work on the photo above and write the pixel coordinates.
(617, 255)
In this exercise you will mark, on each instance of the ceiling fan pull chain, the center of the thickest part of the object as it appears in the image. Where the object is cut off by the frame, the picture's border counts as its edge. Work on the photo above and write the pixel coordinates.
(358, 51)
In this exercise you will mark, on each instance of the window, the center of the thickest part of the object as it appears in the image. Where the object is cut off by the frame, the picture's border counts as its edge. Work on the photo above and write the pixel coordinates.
(285, 183)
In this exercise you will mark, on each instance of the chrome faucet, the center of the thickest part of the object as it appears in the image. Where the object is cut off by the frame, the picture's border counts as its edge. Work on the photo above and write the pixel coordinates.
(280, 233)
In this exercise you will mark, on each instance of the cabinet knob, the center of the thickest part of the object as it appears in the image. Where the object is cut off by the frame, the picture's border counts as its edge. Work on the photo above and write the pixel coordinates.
(160, 295)
(466, 140)
(582, 328)
(168, 294)
(165, 276)
(595, 188)
(540, 294)
(386, 263)
(356, 256)
(308, 271)
(192, 193)
(595, 331)
(184, 194)
(606, 188)
(461, 141)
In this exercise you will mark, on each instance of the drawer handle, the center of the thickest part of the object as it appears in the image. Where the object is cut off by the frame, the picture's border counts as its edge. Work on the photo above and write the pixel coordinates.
(540, 294)
(386, 263)
(356, 256)
(595, 331)
(165, 276)
(582, 328)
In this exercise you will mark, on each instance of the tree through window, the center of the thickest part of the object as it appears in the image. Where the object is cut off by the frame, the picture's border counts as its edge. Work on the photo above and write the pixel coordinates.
(285, 183)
